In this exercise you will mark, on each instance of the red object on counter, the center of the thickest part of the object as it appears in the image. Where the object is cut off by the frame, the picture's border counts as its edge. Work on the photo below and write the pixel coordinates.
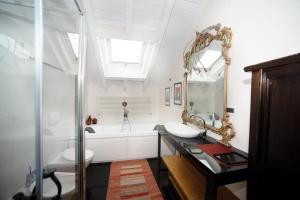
(212, 149)
(89, 120)
(94, 121)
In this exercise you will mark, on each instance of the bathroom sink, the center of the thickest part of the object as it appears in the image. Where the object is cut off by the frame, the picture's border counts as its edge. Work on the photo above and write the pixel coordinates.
(182, 130)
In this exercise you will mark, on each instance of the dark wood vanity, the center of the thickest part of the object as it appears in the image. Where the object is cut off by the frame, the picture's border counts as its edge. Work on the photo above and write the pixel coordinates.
(215, 174)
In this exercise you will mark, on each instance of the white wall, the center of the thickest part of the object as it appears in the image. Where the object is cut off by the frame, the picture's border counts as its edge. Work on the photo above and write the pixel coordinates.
(122, 89)
(172, 112)
(262, 31)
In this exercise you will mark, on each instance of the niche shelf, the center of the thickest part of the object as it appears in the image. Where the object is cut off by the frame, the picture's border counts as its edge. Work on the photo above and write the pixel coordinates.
(189, 182)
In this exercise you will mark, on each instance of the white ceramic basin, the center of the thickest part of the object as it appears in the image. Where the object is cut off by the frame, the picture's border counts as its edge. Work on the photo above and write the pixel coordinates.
(181, 130)
(69, 154)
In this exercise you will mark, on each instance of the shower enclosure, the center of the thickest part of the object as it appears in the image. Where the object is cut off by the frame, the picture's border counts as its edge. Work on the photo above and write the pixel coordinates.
(42, 52)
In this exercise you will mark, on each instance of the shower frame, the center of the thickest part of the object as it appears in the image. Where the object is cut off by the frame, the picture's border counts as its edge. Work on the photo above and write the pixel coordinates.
(79, 94)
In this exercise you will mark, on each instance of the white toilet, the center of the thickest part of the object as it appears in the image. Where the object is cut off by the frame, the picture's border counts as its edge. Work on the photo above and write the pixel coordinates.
(65, 162)
(65, 168)
(67, 181)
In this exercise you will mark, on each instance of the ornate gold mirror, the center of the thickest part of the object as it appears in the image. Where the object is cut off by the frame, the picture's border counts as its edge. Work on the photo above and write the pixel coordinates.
(205, 80)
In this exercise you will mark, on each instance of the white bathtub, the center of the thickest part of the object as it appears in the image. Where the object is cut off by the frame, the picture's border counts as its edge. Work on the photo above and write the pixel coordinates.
(115, 130)
(110, 143)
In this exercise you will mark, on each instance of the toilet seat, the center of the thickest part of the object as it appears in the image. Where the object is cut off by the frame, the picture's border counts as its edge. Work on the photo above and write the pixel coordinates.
(69, 154)
(67, 181)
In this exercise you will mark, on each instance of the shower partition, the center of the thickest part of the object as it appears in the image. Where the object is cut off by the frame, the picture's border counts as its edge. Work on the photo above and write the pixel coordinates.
(60, 72)
(17, 122)
(42, 56)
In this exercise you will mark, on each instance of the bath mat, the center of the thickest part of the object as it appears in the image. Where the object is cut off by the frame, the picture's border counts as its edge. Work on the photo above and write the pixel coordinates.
(212, 149)
(132, 180)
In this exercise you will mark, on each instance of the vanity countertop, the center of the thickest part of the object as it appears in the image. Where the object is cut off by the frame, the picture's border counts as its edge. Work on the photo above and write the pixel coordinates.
(205, 154)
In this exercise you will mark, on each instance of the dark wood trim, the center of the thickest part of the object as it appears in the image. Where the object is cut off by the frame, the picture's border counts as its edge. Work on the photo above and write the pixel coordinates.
(274, 63)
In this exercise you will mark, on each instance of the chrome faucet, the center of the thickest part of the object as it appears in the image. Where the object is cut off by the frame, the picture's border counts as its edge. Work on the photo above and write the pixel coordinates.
(203, 121)
(89, 129)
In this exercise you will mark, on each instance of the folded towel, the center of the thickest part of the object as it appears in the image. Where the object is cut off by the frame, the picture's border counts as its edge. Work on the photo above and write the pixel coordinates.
(212, 149)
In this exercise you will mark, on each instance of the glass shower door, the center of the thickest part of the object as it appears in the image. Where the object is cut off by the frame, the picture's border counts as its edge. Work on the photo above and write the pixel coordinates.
(61, 68)
(17, 122)
(61, 130)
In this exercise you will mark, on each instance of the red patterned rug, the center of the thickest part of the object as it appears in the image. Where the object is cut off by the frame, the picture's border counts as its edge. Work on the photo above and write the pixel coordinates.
(132, 180)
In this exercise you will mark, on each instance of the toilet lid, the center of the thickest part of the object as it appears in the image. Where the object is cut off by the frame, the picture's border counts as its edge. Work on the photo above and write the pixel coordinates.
(69, 154)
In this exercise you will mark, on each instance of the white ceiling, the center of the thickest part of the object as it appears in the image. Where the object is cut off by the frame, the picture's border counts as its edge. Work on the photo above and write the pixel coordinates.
(171, 23)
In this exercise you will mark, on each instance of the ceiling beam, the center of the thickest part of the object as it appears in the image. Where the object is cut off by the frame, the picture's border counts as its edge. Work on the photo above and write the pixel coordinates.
(166, 15)
(49, 41)
(129, 15)
(93, 36)
(65, 50)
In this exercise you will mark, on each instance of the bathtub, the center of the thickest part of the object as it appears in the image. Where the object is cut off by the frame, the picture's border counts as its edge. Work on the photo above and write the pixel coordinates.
(115, 130)
(110, 143)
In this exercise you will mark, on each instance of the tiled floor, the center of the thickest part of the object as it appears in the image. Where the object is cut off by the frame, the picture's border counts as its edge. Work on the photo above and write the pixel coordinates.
(97, 180)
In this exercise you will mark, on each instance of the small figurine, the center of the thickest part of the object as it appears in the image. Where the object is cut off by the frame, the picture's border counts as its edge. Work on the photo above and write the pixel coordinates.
(94, 121)
(89, 120)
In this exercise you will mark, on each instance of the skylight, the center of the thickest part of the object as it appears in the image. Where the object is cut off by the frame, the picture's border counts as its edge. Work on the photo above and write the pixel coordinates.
(209, 58)
(74, 39)
(126, 51)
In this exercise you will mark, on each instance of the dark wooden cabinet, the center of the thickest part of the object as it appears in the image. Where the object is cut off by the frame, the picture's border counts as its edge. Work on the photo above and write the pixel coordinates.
(274, 143)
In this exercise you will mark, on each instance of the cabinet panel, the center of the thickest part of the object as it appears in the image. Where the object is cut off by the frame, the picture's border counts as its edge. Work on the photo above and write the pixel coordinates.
(274, 134)
(141, 147)
(107, 149)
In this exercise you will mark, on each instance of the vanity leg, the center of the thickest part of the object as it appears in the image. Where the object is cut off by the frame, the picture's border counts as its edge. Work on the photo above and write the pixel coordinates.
(210, 190)
(159, 157)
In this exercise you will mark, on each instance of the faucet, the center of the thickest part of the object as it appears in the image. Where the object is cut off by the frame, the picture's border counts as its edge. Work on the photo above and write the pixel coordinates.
(89, 129)
(125, 116)
(213, 116)
(204, 124)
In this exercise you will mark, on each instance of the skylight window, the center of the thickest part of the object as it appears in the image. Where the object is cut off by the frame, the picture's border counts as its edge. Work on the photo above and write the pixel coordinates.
(126, 51)
(74, 39)
(209, 58)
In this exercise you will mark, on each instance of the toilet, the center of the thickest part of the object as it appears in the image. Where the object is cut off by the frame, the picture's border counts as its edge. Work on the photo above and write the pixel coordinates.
(69, 154)
(67, 181)
(65, 161)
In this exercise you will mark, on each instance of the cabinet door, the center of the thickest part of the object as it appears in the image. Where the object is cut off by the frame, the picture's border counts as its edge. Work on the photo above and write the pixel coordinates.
(277, 140)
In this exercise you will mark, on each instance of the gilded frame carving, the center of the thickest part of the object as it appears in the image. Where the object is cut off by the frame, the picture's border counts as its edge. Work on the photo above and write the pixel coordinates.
(202, 40)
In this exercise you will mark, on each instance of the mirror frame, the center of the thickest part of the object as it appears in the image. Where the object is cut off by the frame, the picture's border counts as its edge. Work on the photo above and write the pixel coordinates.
(201, 41)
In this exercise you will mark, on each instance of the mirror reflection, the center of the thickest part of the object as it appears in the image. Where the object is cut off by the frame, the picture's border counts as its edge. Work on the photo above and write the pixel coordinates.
(206, 84)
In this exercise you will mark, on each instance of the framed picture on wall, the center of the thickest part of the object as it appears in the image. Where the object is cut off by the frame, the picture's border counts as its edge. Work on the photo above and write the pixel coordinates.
(178, 93)
(167, 96)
